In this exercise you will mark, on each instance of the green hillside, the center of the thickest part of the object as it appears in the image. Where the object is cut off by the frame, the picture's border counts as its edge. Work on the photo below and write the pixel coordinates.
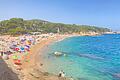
(21, 26)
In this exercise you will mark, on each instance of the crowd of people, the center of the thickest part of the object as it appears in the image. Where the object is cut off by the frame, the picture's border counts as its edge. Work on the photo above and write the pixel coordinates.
(16, 48)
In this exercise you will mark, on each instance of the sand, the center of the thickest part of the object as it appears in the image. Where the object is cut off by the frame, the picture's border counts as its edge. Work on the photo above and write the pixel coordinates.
(31, 69)
(31, 64)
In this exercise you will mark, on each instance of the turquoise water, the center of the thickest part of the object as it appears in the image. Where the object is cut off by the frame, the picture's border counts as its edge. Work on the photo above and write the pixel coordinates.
(87, 57)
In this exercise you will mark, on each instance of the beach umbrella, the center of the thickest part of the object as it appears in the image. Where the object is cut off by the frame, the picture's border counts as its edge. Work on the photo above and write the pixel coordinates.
(22, 49)
(15, 57)
(17, 49)
(12, 46)
(29, 42)
(27, 47)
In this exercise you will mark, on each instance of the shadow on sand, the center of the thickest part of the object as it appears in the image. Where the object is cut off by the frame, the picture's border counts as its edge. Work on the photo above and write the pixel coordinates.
(6, 73)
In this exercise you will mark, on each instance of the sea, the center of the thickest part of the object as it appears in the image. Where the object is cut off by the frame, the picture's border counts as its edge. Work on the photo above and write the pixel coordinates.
(85, 57)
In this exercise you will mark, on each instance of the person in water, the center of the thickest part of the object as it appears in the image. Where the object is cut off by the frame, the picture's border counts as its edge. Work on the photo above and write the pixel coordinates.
(61, 74)
(71, 78)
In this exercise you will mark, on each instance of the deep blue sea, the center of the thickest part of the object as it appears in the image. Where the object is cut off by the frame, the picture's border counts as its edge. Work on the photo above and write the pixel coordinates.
(87, 57)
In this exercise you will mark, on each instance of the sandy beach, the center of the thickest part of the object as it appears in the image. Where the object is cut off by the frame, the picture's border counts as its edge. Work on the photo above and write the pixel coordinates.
(34, 59)
(31, 63)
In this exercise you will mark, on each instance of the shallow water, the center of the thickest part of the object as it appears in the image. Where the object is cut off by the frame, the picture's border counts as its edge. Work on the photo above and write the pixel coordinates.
(87, 57)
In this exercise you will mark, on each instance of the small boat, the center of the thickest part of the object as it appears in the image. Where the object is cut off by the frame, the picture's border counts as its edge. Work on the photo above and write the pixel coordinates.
(58, 53)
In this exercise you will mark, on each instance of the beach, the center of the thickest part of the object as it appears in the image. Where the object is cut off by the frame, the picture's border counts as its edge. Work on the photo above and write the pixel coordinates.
(37, 62)
(31, 63)
(59, 40)
(36, 51)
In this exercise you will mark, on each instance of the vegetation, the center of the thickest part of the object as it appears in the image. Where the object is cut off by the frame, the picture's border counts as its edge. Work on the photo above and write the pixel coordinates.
(20, 26)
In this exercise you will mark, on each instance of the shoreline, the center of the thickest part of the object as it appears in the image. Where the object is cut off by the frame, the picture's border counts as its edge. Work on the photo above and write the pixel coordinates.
(31, 68)
(35, 61)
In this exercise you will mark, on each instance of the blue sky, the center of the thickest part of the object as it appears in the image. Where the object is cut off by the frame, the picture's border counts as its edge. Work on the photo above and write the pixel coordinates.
(105, 13)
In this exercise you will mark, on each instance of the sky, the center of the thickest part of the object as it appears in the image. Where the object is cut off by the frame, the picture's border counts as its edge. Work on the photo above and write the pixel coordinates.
(102, 13)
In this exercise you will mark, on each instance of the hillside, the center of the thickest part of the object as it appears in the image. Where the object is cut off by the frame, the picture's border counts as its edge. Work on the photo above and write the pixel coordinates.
(21, 26)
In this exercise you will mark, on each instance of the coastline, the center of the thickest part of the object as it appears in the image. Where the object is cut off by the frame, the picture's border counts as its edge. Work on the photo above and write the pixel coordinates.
(29, 68)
